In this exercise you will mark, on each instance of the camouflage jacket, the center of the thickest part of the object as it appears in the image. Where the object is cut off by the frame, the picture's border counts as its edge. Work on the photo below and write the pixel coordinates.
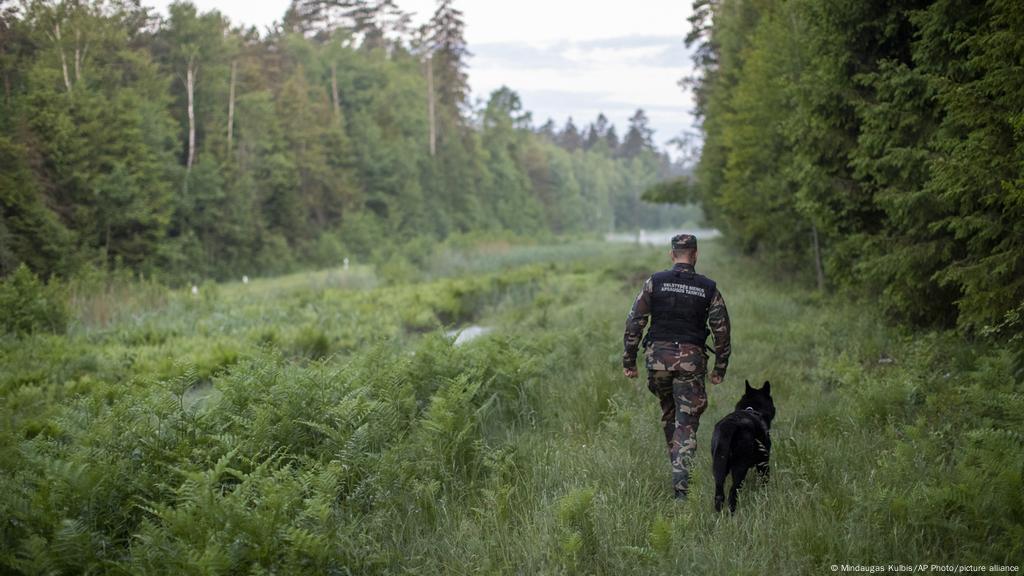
(673, 355)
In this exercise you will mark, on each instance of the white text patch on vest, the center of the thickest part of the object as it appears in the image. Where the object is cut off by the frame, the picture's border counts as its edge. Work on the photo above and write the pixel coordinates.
(684, 289)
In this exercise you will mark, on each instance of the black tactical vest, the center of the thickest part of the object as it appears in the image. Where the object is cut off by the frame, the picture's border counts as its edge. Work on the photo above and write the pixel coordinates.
(680, 299)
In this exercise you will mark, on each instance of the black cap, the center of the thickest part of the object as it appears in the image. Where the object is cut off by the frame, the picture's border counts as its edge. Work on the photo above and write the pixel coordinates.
(684, 242)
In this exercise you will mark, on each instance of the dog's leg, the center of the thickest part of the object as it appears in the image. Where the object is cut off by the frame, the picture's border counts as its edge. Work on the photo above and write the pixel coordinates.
(720, 474)
(762, 472)
(719, 467)
(739, 473)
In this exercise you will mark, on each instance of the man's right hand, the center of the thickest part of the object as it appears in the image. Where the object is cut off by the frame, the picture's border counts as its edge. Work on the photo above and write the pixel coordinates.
(716, 378)
(629, 372)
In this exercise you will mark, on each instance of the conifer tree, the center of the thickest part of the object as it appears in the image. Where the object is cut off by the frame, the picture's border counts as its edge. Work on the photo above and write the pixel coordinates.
(448, 46)
(548, 130)
(596, 132)
(570, 137)
(611, 138)
(639, 137)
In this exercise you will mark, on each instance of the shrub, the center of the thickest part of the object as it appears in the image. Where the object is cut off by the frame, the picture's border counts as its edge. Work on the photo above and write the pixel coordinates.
(312, 343)
(27, 305)
(327, 252)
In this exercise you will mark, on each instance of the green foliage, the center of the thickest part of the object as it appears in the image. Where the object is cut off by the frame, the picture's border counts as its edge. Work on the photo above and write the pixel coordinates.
(297, 424)
(29, 305)
(880, 142)
(99, 298)
(29, 232)
(576, 517)
(678, 190)
(313, 343)
(304, 145)
(661, 536)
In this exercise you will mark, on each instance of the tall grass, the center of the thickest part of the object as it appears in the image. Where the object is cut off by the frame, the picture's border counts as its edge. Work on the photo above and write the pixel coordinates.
(349, 435)
(97, 300)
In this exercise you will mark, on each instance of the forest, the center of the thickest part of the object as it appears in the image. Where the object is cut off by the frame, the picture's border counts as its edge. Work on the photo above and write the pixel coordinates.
(190, 148)
(876, 148)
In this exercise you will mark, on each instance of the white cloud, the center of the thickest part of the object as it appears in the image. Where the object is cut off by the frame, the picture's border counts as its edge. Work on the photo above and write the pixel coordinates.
(548, 21)
(612, 56)
(639, 86)
(583, 78)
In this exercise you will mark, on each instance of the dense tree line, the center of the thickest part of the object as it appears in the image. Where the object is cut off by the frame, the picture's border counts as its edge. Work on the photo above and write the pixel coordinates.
(878, 146)
(188, 145)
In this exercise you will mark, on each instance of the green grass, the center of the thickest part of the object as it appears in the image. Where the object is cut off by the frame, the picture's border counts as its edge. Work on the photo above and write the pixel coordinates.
(345, 434)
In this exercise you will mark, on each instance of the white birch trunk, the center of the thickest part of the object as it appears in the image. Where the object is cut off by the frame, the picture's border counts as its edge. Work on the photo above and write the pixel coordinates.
(190, 84)
(334, 91)
(63, 58)
(79, 54)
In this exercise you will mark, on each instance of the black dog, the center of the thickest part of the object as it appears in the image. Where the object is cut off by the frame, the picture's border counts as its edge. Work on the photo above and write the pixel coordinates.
(742, 440)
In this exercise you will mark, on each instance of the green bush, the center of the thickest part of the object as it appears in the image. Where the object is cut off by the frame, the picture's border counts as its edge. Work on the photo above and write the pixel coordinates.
(327, 252)
(27, 305)
(312, 343)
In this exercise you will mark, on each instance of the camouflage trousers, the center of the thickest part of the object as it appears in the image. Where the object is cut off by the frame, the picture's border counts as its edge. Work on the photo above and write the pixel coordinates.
(683, 399)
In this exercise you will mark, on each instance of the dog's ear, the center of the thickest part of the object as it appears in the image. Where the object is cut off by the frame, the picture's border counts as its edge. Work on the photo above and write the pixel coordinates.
(747, 384)
(767, 388)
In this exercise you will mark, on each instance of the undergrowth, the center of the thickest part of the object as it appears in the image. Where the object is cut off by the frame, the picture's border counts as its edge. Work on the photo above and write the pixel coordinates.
(303, 425)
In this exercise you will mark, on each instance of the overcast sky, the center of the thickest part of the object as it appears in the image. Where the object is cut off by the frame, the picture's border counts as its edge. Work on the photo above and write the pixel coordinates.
(563, 57)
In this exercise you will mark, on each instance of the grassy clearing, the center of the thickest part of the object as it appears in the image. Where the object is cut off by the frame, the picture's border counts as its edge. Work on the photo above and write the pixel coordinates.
(347, 435)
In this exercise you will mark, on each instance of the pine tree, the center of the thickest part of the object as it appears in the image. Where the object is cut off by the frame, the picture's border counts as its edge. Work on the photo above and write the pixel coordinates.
(29, 232)
(611, 138)
(447, 45)
(373, 20)
(548, 130)
(639, 137)
(596, 132)
(570, 137)
(459, 170)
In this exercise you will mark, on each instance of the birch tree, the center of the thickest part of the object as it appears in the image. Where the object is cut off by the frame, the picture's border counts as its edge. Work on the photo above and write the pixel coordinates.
(192, 46)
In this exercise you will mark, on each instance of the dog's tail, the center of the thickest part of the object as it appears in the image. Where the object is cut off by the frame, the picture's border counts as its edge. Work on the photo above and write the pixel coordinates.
(721, 449)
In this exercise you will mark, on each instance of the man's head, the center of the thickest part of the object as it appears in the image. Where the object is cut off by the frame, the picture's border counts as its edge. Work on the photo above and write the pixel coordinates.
(684, 249)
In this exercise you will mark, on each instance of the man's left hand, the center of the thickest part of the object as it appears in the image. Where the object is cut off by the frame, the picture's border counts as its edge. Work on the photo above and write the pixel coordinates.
(629, 372)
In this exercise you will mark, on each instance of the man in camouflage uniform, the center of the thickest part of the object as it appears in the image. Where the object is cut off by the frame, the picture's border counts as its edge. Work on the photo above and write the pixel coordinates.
(682, 305)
